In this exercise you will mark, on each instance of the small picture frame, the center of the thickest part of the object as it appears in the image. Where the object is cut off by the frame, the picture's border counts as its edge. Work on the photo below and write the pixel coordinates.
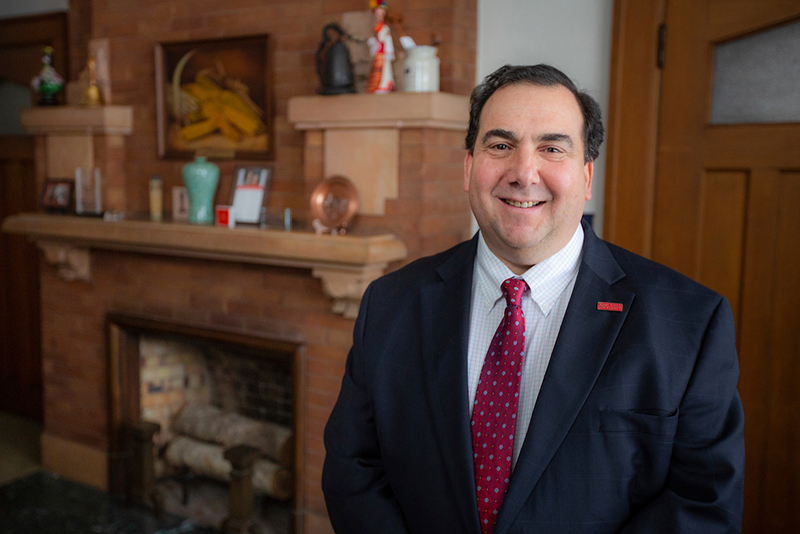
(249, 193)
(57, 195)
(180, 204)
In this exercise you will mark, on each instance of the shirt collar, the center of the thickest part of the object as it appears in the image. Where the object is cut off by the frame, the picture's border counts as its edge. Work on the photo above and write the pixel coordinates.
(546, 280)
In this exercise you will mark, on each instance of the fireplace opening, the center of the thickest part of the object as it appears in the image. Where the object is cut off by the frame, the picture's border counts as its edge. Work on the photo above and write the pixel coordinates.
(201, 401)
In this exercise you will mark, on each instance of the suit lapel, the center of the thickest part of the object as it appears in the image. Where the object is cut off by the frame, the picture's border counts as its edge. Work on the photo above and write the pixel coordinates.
(445, 333)
(584, 342)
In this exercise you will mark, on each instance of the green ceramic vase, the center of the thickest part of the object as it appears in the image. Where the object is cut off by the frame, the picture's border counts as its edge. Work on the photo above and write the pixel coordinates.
(201, 178)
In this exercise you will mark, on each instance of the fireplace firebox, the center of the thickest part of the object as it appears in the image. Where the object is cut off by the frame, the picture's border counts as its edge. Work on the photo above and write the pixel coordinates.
(238, 384)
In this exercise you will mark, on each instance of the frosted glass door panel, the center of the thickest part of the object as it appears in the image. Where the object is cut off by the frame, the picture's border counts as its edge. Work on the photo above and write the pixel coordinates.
(757, 78)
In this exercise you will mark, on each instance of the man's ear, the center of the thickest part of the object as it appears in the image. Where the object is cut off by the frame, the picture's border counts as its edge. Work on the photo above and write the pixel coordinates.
(588, 173)
(467, 170)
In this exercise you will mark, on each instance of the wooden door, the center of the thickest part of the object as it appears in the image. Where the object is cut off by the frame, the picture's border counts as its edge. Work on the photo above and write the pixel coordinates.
(721, 204)
(20, 353)
(21, 42)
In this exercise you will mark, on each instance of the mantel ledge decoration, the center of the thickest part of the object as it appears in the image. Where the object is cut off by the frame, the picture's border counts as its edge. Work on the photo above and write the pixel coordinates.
(344, 264)
(394, 110)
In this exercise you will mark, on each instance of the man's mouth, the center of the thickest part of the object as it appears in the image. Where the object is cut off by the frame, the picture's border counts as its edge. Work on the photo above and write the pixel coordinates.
(522, 204)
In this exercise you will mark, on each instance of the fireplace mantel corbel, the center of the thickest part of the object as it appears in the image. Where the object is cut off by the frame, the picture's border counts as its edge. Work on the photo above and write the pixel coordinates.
(346, 285)
(72, 262)
(344, 264)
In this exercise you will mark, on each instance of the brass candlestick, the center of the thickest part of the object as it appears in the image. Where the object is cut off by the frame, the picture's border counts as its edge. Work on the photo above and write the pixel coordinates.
(92, 95)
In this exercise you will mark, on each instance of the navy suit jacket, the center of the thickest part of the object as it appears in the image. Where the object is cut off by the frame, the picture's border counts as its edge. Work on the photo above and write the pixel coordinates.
(638, 427)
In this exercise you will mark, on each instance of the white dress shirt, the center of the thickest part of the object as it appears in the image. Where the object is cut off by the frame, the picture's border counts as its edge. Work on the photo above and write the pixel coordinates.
(544, 305)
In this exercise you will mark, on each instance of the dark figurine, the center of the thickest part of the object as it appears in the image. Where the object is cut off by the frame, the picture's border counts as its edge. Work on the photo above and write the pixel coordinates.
(333, 63)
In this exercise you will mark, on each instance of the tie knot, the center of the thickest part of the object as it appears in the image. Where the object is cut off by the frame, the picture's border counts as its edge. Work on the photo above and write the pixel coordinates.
(513, 288)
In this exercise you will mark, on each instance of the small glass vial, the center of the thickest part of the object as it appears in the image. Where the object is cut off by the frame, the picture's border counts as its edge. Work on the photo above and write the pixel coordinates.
(156, 198)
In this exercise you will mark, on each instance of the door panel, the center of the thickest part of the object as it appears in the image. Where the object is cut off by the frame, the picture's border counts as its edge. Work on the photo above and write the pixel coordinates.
(726, 207)
(780, 510)
(20, 354)
(21, 40)
(734, 18)
(755, 346)
(722, 234)
(723, 210)
(774, 146)
(633, 124)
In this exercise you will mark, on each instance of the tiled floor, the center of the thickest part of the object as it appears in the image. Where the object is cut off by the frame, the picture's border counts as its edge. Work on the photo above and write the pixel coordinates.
(33, 501)
(44, 503)
(36, 502)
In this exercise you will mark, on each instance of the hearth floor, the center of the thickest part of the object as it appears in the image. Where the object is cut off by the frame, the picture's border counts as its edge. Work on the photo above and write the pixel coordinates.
(44, 503)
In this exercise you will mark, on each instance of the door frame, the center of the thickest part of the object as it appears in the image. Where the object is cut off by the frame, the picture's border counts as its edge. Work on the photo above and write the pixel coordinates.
(49, 29)
(633, 119)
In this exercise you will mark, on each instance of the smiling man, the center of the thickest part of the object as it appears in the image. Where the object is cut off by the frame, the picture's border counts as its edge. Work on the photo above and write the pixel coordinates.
(535, 378)
(526, 174)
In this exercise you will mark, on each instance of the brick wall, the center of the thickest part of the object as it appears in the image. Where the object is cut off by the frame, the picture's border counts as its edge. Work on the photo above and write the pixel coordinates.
(133, 28)
(80, 30)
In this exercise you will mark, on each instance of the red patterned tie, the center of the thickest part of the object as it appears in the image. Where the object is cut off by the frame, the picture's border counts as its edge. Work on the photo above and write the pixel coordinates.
(494, 415)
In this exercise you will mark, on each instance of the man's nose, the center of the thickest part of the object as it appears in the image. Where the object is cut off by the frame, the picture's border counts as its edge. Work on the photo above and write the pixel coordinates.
(526, 167)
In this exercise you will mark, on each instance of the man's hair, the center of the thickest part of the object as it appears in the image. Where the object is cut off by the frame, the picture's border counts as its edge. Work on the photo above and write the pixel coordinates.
(545, 76)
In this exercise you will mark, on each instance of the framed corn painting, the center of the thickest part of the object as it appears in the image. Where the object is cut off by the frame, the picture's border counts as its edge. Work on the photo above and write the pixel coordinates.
(214, 97)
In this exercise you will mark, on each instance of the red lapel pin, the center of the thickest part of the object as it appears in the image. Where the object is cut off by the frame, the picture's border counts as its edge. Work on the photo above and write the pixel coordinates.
(609, 306)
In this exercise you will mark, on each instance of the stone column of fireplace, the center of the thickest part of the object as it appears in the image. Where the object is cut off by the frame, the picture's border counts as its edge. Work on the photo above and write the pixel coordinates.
(88, 137)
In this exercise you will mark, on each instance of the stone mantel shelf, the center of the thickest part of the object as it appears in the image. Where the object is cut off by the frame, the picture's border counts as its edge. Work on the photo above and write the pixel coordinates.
(345, 264)
(393, 110)
(78, 119)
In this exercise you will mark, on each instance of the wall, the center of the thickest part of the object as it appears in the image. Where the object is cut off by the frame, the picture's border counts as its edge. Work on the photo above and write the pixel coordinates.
(14, 97)
(15, 8)
(573, 35)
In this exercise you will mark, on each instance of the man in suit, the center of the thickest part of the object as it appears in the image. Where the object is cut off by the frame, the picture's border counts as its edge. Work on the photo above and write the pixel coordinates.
(604, 402)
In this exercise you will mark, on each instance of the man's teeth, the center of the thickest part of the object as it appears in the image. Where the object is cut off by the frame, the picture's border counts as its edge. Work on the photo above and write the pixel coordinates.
(522, 204)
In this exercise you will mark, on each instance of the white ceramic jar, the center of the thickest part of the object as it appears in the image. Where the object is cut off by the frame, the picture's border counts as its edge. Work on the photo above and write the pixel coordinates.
(421, 70)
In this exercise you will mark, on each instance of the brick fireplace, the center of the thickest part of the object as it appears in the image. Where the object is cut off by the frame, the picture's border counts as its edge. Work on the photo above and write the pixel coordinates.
(271, 285)
(296, 287)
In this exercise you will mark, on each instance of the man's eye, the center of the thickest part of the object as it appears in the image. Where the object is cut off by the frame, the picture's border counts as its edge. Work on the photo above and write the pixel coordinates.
(552, 150)
(500, 146)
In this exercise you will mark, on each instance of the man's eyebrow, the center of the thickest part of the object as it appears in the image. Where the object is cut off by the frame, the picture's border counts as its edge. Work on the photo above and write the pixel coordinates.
(557, 137)
(499, 132)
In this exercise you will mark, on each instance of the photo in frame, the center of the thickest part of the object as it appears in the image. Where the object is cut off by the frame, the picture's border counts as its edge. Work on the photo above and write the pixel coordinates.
(214, 96)
(57, 195)
(249, 193)
(180, 204)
